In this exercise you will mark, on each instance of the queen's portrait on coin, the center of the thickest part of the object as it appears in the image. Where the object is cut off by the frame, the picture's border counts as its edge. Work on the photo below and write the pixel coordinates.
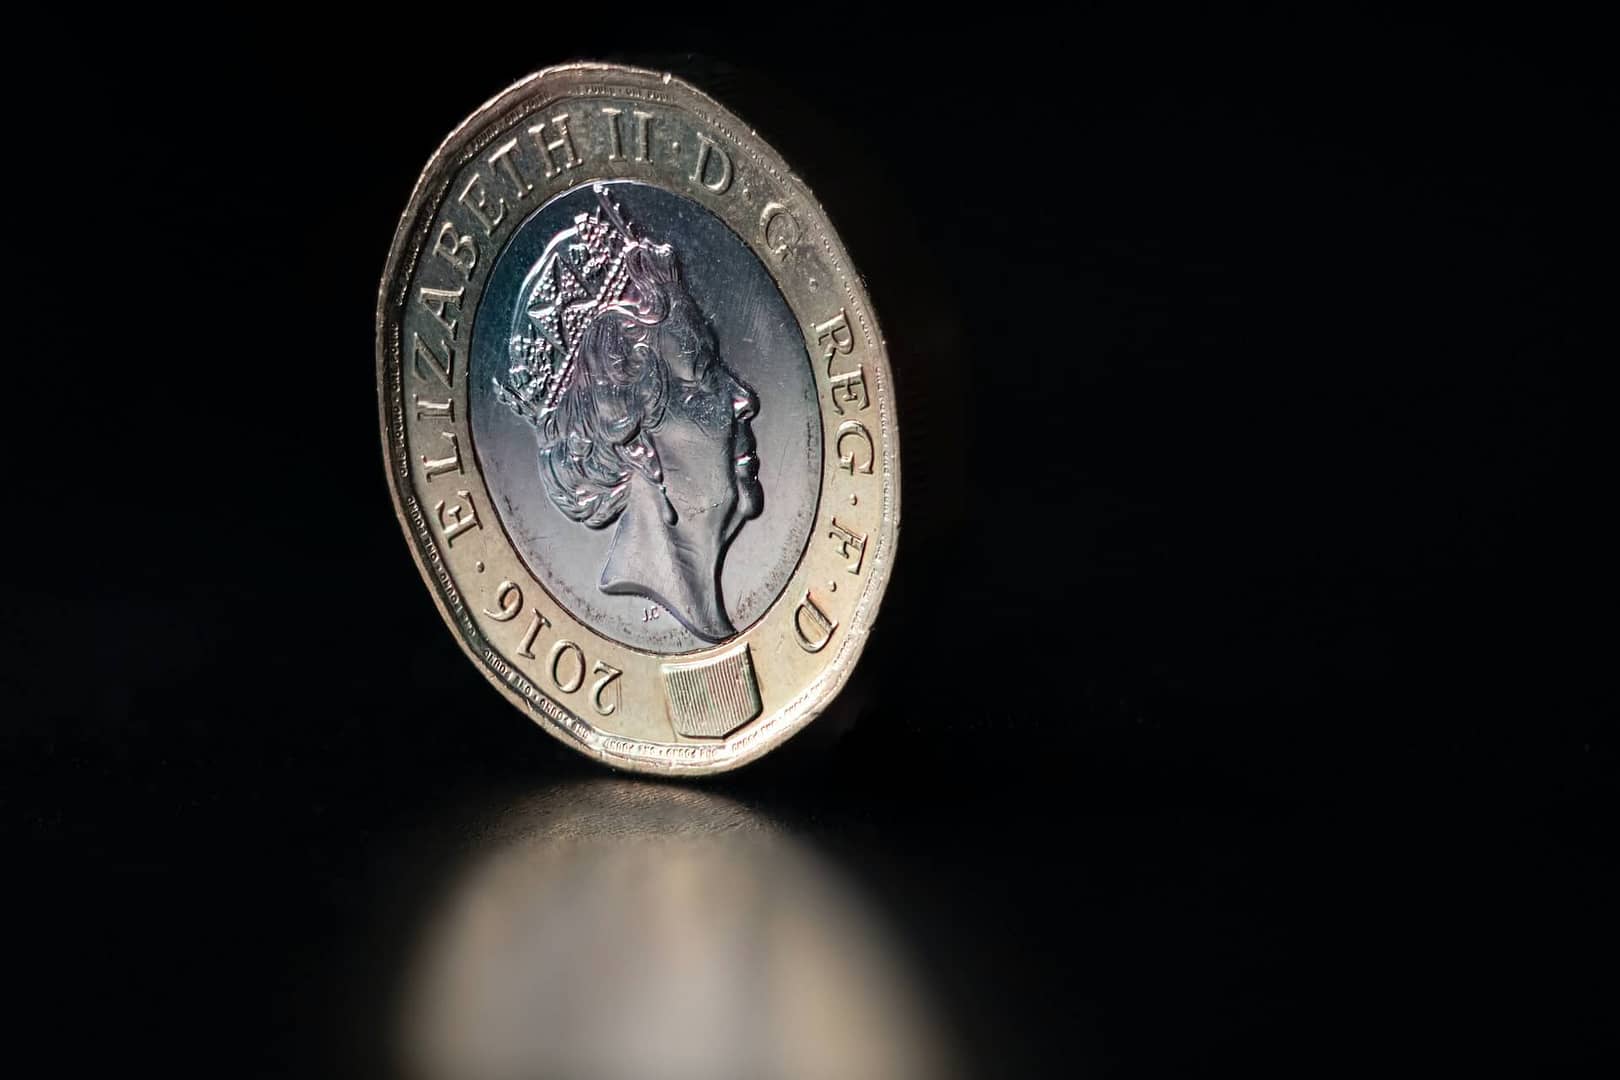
(639, 423)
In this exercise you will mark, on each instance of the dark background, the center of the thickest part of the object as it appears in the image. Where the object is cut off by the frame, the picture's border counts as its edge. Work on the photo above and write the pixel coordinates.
(1243, 698)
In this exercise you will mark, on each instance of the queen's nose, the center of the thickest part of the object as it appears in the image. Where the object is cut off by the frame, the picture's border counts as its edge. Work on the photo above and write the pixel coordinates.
(744, 402)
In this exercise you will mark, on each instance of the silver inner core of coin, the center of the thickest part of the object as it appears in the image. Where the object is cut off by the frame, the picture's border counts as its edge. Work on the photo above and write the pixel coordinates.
(644, 412)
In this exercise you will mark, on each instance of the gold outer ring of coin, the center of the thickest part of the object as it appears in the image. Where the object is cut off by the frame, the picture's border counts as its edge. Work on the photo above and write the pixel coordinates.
(697, 712)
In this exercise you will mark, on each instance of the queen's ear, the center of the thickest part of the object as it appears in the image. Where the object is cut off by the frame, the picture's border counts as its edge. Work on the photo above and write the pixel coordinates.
(640, 453)
(643, 457)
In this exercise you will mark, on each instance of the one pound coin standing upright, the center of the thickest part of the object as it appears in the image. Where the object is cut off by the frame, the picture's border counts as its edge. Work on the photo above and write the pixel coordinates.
(638, 420)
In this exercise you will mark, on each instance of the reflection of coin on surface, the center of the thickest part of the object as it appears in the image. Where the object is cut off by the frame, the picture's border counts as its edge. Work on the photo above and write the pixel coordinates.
(640, 430)
(627, 929)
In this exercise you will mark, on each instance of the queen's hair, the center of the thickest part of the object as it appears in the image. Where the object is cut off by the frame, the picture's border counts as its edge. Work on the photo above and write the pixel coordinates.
(596, 437)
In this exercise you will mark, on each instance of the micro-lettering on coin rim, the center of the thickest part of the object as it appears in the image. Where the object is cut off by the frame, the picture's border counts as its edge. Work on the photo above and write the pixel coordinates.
(782, 659)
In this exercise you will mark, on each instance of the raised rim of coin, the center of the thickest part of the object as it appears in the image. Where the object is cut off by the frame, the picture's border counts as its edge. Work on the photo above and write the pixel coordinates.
(631, 707)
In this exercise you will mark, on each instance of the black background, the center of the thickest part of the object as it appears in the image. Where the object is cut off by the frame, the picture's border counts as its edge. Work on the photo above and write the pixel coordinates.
(1243, 696)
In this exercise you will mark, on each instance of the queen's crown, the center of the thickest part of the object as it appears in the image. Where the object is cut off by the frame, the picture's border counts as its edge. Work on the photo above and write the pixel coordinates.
(582, 273)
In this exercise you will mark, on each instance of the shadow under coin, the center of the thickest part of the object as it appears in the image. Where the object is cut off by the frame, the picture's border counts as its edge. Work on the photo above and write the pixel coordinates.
(612, 928)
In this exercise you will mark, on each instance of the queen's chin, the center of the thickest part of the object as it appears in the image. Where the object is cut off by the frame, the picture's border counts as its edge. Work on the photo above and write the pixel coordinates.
(750, 498)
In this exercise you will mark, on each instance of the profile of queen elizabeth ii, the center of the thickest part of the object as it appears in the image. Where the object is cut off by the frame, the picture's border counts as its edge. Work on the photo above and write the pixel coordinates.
(639, 423)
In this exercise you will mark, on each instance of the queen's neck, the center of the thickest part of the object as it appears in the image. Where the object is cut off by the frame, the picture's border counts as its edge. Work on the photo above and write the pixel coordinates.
(665, 563)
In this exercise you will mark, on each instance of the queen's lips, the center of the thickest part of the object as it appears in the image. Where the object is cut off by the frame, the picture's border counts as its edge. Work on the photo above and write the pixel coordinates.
(744, 443)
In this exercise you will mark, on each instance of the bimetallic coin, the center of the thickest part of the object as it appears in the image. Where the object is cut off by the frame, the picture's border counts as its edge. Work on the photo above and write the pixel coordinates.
(638, 420)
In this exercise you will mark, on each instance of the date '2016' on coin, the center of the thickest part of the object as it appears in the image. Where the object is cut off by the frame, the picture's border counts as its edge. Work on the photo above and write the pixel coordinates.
(638, 420)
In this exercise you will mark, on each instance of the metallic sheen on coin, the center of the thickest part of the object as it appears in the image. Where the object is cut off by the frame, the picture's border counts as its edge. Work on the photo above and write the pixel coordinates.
(638, 420)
